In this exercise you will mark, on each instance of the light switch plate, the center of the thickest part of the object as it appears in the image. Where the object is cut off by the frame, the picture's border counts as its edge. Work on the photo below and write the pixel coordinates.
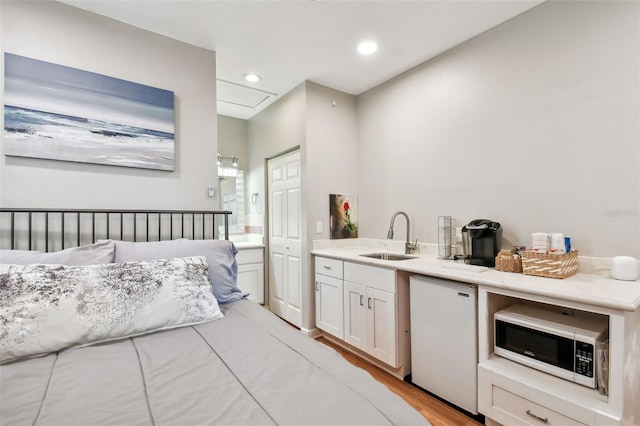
(318, 227)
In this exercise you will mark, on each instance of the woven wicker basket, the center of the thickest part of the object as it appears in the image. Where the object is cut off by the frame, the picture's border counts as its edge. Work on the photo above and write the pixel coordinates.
(505, 261)
(550, 265)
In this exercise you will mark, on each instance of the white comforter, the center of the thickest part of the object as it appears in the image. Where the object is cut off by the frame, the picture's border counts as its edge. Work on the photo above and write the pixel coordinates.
(249, 368)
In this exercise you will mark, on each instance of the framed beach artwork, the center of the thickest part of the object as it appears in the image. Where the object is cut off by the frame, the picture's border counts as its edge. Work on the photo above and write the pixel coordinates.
(343, 216)
(60, 113)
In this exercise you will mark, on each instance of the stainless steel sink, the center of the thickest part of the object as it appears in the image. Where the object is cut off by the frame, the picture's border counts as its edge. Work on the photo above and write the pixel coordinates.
(388, 256)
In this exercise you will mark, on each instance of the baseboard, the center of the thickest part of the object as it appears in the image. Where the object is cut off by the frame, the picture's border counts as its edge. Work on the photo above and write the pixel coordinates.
(399, 372)
(313, 333)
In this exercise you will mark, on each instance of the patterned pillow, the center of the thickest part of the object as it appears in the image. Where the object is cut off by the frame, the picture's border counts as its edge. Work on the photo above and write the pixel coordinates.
(90, 254)
(46, 308)
(220, 254)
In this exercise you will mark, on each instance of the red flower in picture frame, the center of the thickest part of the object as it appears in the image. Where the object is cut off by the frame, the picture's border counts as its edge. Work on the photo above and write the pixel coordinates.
(350, 229)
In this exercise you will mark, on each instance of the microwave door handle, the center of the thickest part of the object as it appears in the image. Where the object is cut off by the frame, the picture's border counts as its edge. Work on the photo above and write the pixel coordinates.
(540, 327)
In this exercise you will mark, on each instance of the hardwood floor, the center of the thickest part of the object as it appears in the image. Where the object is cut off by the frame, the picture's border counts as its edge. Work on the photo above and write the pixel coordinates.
(435, 411)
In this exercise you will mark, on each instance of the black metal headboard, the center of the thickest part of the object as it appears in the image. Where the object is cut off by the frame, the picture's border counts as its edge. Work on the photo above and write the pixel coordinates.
(54, 229)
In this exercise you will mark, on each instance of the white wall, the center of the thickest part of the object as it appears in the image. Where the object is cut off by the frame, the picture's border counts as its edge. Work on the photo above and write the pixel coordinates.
(331, 167)
(274, 130)
(534, 124)
(233, 140)
(61, 34)
(327, 139)
(331, 152)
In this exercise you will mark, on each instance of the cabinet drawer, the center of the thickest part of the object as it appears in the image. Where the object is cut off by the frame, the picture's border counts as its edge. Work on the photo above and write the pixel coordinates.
(329, 267)
(380, 278)
(527, 412)
(249, 256)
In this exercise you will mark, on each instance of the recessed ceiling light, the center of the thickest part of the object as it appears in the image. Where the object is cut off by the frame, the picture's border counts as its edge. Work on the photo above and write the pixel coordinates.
(252, 78)
(367, 47)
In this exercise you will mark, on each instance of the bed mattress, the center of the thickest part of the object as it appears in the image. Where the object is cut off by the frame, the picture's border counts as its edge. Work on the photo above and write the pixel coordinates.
(248, 368)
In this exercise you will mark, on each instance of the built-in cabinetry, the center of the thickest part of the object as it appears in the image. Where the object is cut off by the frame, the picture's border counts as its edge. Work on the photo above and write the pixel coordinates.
(510, 393)
(367, 308)
(251, 272)
(370, 311)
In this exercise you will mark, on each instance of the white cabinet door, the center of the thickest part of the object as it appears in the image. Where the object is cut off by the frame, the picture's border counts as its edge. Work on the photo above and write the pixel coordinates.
(370, 320)
(381, 325)
(251, 273)
(251, 280)
(329, 312)
(355, 315)
(285, 244)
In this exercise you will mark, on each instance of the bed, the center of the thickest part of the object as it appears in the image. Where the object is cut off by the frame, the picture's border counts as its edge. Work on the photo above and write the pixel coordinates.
(156, 332)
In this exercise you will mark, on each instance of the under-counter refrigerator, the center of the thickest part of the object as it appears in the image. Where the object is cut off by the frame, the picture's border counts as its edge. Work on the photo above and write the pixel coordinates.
(444, 340)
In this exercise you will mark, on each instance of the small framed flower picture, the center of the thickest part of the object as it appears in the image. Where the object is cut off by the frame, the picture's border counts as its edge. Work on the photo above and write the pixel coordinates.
(343, 216)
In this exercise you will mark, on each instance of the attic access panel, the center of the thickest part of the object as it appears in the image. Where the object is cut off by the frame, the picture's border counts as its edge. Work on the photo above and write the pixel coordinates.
(239, 95)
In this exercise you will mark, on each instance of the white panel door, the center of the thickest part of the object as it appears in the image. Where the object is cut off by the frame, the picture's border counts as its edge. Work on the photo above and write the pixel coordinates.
(381, 325)
(355, 315)
(285, 242)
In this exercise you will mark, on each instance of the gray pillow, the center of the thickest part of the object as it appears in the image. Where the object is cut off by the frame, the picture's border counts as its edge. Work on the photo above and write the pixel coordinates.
(220, 255)
(48, 308)
(91, 254)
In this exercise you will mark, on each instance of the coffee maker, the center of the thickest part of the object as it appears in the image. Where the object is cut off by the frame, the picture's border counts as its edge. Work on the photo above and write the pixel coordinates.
(481, 241)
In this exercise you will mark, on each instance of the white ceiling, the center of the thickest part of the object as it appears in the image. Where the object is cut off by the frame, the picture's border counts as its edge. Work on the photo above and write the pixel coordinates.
(288, 42)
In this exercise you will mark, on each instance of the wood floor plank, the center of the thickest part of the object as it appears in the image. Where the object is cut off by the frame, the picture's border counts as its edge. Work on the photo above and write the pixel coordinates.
(435, 411)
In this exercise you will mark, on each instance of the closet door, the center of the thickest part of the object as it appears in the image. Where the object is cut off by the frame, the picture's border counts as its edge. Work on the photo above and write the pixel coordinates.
(285, 244)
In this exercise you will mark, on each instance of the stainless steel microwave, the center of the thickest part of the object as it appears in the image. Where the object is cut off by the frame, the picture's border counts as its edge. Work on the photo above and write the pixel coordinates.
(562, 343)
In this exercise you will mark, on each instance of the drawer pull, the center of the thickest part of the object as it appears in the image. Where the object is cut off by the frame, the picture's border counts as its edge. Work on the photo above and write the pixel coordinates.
(326, 267)
(542, 419)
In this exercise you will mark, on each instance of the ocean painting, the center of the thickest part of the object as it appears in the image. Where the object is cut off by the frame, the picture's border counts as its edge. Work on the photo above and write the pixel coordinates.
(61, 113)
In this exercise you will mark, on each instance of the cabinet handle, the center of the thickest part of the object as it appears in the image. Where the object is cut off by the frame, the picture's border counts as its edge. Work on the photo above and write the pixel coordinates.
(326, 267)
(316, 285)
(369, 302)
(542, 419)
(361, 302)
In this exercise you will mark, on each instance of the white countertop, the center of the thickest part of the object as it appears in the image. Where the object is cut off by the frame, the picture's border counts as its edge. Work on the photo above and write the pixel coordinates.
(586, 288)
(244, 245)
(247, 241)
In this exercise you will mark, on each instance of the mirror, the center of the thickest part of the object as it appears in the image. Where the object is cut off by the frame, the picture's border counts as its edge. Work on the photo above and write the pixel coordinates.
(231, 182)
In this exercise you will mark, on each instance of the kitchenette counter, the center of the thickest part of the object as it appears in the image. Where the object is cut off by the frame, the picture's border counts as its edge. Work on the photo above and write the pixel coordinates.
(591, 289)
(508, 392)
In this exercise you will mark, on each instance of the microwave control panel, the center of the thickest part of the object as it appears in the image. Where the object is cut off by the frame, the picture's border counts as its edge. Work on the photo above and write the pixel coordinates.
(584, 359)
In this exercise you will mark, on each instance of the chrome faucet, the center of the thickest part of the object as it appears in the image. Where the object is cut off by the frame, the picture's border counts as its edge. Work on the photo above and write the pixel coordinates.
(408, 246)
